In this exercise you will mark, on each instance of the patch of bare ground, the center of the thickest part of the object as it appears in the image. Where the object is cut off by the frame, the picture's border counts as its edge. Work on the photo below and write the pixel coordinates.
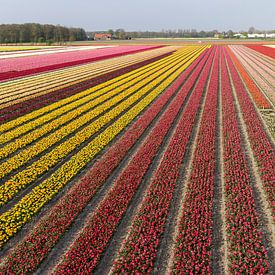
(266, 223)
(221, 213)
(269, 118)
(218, 238)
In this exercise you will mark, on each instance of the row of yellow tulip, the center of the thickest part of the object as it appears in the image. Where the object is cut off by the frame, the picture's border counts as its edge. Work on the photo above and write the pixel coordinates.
(45, 110)
(20, 48)
(12, 220)
(31, 173)
(69, 112)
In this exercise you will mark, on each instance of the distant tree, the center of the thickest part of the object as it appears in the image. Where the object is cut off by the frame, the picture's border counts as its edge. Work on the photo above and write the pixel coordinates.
(251, 30)
(111, 31)
(120, 33)
(202, 34)
(230, 34)
(33, 32)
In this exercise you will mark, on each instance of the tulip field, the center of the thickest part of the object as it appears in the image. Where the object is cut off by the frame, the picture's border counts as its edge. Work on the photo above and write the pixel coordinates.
(137, 159)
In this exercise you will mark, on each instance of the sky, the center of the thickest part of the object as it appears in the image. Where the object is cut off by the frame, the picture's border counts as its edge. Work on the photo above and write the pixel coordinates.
(140, 15)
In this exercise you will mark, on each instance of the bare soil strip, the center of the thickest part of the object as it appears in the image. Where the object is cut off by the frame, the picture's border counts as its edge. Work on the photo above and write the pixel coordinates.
(218, 266)
(223, 249)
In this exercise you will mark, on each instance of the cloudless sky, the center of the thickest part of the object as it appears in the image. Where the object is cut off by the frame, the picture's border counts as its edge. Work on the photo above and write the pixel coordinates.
(143, 14)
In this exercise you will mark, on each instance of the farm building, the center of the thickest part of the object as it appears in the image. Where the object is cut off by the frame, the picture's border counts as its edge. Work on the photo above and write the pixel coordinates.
(103, 36)
(256, 35)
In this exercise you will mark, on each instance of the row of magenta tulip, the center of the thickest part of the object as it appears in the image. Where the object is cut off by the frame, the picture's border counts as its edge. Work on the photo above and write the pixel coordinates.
(193, 246)
(63, 214)
(245, 250)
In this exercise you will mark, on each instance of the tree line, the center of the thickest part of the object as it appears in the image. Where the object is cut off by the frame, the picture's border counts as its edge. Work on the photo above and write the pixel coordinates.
(179, 33)
(38, 33)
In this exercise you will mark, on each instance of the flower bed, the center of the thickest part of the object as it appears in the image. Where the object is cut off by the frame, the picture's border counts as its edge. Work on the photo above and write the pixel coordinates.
(246, 253)
(18, 67)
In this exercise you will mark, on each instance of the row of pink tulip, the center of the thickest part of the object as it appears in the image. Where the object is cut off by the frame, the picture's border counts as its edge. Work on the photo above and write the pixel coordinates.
(263, 80)
(245, 250)
(49, 230)
(258, 96)
(265, 69)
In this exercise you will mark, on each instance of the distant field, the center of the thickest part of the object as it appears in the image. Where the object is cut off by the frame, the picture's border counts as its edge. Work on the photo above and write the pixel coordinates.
(147, 157)
(163, 41)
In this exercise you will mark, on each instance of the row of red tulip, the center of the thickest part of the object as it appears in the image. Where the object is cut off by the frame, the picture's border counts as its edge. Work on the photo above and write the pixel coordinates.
(268, 51)
(140, 247)
(63, 214)
(246, 253)
(86, 250)
(262, 147)
(23, 66)
(194, 240)
(32, 104)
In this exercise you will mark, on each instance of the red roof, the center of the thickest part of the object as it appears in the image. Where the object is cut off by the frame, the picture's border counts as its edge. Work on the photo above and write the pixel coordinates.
(101, 35)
